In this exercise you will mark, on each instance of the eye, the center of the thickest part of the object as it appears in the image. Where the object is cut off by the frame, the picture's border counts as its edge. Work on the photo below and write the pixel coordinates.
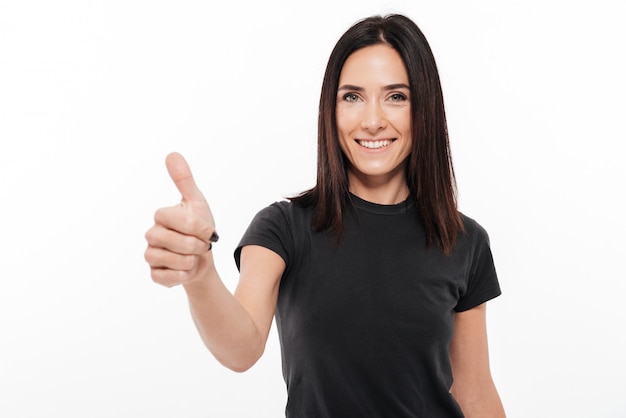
(397, 97)
(350, 97)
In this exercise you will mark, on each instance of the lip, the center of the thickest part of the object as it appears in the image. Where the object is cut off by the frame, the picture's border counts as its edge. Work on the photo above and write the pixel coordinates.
(374, 144)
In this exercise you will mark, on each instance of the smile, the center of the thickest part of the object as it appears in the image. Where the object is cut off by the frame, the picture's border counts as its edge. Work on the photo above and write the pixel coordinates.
(374, 144)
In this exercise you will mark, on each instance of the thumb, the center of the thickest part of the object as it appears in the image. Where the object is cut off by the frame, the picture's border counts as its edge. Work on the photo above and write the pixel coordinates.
(181, 175)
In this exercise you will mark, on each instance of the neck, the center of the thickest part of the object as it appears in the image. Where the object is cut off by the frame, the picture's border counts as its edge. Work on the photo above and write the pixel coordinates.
(380, 191)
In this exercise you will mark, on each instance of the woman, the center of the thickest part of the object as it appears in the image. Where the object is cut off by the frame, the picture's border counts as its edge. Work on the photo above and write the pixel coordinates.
(377, 282)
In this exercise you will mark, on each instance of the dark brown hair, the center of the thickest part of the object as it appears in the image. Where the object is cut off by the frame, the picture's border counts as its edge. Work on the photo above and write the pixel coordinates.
(430, 175)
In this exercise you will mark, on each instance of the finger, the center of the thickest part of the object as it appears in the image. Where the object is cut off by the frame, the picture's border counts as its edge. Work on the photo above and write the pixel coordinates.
(168, 277)
(167, 239)
(163, 259)
(186, 222)
(181, 175)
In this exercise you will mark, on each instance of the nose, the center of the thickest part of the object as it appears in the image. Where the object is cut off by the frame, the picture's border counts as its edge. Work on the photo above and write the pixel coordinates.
(373, 118)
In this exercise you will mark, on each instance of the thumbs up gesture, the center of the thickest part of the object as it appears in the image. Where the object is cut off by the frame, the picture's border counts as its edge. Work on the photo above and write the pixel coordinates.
(181, 238)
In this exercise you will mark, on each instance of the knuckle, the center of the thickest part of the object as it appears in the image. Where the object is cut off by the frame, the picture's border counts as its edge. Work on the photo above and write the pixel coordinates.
(152, 257)
(189, 222)
(147, 255)
(205, 230)
(189, 244)
(159, 214)
(181, 276)
(149, 235)
(168, 277)
(156, 275)
(188, 262)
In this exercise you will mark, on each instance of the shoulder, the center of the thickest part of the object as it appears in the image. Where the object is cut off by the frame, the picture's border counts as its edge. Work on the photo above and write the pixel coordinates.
(285, 210)
(474, 240)
(278, 227)
(482, 280)
(282, 219)
(473, 230)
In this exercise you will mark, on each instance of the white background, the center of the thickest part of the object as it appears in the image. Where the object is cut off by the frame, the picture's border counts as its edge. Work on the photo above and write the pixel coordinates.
(94, 94)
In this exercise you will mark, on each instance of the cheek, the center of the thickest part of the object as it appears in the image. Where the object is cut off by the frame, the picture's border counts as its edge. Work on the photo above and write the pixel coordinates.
(347, 118)
(343, 143)
(340, 117)
(401, 118)
(345, 125)
(402, 123)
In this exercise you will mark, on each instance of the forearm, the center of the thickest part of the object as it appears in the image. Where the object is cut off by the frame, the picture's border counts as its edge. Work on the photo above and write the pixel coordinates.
(481, 401)
(224, 325)
(177, 255)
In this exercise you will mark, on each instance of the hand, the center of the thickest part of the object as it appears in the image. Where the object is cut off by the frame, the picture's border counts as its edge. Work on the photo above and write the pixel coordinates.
(180, 240)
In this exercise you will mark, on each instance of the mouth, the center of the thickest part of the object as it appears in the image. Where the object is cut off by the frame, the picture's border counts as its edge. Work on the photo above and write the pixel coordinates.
(378, 144)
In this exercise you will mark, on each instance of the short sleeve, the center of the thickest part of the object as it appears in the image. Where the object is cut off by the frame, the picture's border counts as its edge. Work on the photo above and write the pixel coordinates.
(483, 284)
(270, 229)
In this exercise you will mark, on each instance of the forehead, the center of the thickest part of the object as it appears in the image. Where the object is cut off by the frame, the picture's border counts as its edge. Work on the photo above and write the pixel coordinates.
(375, 63)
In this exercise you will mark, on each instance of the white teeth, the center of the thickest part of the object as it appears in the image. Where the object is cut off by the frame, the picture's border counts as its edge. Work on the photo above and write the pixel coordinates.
(375, 144)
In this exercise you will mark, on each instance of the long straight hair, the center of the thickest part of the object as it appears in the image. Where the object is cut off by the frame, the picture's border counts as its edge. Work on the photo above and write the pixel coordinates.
(430, 174)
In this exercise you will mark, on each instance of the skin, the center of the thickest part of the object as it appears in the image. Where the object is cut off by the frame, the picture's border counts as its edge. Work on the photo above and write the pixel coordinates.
(373, 106)
(233, 327)
(473, 386)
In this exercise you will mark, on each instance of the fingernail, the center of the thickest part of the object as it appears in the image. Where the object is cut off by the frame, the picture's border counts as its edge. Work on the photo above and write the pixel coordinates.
(214, 237)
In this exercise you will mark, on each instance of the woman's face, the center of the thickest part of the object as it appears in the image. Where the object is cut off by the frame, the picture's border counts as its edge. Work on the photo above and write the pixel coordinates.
(374, 116)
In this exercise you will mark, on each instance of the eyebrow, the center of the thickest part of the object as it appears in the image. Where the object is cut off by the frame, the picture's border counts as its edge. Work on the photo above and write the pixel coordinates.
(386, 88)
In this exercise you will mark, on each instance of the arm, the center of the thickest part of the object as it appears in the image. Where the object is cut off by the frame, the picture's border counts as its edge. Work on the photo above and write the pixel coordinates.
(233, 327)
(473, 386)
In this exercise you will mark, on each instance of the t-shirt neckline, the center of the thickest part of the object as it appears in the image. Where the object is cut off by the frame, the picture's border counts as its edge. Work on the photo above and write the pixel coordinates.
(380, 209)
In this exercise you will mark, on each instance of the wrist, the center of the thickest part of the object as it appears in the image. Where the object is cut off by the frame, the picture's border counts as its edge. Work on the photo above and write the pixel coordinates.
(205, 275)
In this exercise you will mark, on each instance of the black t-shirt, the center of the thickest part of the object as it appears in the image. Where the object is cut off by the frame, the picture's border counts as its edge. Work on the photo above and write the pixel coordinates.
(365, 326)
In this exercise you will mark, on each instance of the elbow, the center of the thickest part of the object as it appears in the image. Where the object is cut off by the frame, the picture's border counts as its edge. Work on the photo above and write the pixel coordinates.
(239, 370)
(239, 362)
(238, 366)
